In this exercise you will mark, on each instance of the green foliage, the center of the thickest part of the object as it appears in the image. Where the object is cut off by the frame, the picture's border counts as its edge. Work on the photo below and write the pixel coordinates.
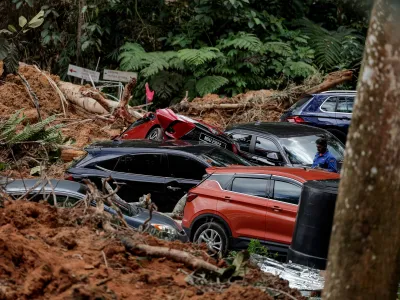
(10, 43)
(255, 247)
(39, 132)
(338, 49)
(176, 44)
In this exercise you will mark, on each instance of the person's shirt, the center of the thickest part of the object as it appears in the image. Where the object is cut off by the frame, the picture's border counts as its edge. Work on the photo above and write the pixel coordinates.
(325, 161)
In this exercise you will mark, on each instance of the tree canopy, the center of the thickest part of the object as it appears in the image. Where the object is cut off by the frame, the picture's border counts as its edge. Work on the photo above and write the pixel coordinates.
(200, 46)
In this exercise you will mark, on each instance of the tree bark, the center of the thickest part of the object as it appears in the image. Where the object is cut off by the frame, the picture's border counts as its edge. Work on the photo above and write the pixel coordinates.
(364, 253)
(81, 20)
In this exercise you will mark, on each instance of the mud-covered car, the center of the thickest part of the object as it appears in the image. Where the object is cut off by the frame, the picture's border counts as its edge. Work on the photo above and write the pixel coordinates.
(68, 193)
(164, 124)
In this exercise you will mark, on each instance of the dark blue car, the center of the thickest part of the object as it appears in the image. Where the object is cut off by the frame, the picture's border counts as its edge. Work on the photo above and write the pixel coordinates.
(329, 110)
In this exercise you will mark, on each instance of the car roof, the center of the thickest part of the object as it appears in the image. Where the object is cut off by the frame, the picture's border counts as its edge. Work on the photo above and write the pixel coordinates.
(280, 129)
(60, 186)
(193, 147)
(299, 174)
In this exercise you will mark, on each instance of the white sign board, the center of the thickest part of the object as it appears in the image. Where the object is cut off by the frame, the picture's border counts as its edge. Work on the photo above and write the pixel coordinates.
(118, 75)
(83, 73)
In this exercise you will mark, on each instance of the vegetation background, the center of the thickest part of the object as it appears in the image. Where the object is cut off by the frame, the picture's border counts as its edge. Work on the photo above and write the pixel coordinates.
(199, 46)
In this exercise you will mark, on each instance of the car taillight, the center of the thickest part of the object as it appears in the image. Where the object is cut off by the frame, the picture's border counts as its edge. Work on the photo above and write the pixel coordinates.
(190, 197)
(295, 119)
(68, 177)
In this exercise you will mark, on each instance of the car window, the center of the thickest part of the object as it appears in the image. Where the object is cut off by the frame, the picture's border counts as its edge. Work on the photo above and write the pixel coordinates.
(222, 179)
(329, 105)
(265, 146)
(295, 108)
(219, 157)
(243, 140)
(144, 164)
(108, 164)
(250, 186)
(302, 149)
(286, 192)
(345, 105)
(185, 167)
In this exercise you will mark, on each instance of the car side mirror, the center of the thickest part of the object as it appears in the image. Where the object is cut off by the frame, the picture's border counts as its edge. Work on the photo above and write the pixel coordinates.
(273, 156)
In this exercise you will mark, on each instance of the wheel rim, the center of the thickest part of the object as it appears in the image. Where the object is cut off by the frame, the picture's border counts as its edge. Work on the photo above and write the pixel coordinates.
(211, 238)
(153, 135)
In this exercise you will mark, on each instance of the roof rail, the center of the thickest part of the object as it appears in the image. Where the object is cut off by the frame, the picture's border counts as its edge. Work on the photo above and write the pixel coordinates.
(339, 92)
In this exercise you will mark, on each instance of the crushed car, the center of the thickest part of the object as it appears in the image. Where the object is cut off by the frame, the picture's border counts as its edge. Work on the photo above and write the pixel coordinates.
(69, 193)
(164, 125)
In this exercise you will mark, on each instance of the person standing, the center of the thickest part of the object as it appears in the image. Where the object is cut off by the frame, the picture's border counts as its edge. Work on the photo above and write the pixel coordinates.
(324, 160)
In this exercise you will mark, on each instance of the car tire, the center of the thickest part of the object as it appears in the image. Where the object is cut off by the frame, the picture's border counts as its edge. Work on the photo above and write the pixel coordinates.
(215, 237)
(339, 135)
(155, 134)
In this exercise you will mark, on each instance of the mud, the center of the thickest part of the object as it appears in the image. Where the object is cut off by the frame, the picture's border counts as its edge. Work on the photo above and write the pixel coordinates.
(47, 253)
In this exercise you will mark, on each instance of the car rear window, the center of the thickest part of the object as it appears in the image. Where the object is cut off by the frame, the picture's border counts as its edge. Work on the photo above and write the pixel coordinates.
(295, 108)
(219, 157)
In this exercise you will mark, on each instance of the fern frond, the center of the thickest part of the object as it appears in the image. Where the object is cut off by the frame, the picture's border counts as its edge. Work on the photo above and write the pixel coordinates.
(242, 40)
(278, 48)
(198, 56)
(300, 69)
(210, 84)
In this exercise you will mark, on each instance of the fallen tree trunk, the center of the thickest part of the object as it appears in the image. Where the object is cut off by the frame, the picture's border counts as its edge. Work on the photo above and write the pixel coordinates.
(73, 93)
(259, 98)
(176, 255)
(332, 80)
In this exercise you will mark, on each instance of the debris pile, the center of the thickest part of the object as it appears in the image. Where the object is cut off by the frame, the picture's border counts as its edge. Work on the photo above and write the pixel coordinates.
(48, 252)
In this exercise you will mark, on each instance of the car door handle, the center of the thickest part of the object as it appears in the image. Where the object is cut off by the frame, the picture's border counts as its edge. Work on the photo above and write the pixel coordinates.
(173, 188)
(276, 208)
(227, 198)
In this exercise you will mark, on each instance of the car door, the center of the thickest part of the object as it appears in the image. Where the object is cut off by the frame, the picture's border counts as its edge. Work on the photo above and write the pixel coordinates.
(141, 174)
(184, 172)
(326, 114)
(266, 152)
(344, 112)
(245, 206)
(282, 209)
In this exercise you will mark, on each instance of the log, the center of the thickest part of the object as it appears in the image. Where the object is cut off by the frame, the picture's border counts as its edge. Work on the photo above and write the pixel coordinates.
(332, 80)
(73, 93)
(68, 155)
(176, 255)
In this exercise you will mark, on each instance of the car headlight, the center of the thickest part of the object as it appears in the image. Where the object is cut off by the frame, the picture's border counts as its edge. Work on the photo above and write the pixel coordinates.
(169, 230)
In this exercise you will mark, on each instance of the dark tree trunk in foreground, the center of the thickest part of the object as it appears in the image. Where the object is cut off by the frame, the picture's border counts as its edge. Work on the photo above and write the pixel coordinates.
(365, 244)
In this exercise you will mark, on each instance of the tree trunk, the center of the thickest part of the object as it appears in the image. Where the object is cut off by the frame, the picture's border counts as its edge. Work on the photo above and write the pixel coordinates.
(364, 252)
(79, 32)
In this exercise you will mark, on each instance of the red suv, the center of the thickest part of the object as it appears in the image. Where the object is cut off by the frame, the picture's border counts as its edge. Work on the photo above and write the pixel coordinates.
(237, 204)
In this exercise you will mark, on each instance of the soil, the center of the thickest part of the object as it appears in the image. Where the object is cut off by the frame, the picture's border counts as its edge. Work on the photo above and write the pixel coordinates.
(50, 253)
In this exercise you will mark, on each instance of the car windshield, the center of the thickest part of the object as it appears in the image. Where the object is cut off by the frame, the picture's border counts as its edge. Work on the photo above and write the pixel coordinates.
(219, 157)
(301, 150)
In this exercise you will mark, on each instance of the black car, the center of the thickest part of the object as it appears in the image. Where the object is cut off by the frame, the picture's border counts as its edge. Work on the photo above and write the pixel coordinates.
(282, 144)
(167, 170)
(68, 193)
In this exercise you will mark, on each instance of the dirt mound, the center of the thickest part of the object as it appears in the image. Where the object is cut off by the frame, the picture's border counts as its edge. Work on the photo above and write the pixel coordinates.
(51, 254)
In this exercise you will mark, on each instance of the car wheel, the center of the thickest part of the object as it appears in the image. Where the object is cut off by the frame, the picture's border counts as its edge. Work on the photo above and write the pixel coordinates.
(214, 236)
(155, 134)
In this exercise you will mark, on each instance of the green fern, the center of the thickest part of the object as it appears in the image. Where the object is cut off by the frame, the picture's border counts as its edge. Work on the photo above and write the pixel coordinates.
(36, 132)
(332, 48)
(242, 40)
(299, 69)
(210, 84)
(198, 57)
(279, 48)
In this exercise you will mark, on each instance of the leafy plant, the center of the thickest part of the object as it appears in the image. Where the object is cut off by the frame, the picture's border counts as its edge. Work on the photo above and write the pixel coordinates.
(9, 42)
(255, 247)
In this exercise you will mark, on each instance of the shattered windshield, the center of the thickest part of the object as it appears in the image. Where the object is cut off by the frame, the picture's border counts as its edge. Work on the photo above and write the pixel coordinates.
(301, 150)
(219, 157)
